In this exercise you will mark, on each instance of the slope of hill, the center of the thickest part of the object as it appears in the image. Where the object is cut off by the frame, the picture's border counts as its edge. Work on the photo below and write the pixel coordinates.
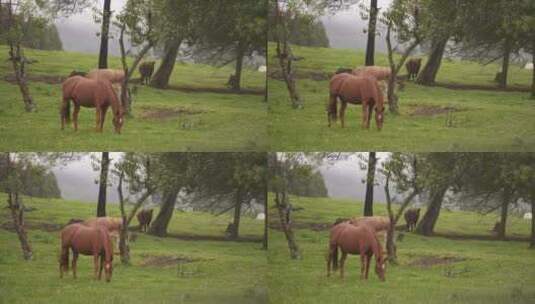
(431, 118)
(210, 271)
(196, 113)
(431, 269)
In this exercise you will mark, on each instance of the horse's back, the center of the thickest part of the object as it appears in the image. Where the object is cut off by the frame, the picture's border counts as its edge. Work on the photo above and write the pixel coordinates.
(88, 239)
(111, 75)
(351, 238)
(377, 223)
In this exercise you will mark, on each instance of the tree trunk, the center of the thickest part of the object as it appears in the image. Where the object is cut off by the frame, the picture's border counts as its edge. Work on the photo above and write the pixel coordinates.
(17, 215)
(237, 215)
(532, 242)
(162, 75)
(281, 200)
(533, 73)
(429, 72)
(370, 46)
(103, 184)
(370, 181)
(104, 34)
(505, 63)
(239, 65)
(285, 56)
(427, 224)
(266, 221)
(19, 66)
(503, 215)
(159, 226)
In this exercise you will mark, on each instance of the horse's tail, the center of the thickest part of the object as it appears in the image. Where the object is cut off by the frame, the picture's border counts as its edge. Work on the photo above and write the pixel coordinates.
(332, 107)
(334, 259)
(64, 258)
(67, 111)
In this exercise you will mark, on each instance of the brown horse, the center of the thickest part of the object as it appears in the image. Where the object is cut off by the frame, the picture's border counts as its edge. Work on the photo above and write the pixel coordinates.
(356, 90)
(352, 239)
(144, 218)
(413, 67)
(90, 93)
(111, 75)
(146, 69)
(411, 218)
(85, 240)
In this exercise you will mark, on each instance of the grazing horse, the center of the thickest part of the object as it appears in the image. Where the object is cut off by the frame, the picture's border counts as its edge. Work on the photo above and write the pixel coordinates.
(111, 75)
(90, 93)
(352, 239)
(413, 67)
(356, 90)
(144, 218)
(411, 218)
(146, 69)
(85, 240)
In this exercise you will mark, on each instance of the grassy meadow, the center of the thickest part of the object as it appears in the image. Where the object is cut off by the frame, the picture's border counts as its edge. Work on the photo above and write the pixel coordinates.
(430, 270)
(480, 120)
(213, 271)
(186, 117)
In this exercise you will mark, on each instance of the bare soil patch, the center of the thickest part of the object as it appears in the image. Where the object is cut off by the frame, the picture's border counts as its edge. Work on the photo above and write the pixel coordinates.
(431, 260)
(154, 113)
(48, 227)
(461, 86)
(421, 110)
(188, 89)
(166, 260)
(50, 79)
(189, 237)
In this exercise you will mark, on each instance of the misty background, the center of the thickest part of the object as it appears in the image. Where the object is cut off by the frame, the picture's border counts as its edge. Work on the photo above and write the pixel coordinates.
(345, 29)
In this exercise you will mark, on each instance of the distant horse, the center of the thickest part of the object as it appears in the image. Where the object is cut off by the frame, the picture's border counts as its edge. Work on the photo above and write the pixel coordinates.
(111, 75)
(411, 218)
(356, 90)
(146, 69)
(90, 93)
(352, 239)
(413, 67)
(144, 218)
(85, 240)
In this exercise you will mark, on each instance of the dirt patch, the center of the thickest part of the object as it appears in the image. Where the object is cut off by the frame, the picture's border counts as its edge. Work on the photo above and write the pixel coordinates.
(189, 237)
(152, 113)
(432, 110)
(431, 260)
(298, 225)
(48, 227)
(460, 86)
(50, 79)
(215, 90)
(166, 260)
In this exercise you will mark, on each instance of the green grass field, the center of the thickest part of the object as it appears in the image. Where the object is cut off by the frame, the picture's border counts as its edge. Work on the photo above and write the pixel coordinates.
(481, 120)
(163, 120)
(221, 271)
(483, 271)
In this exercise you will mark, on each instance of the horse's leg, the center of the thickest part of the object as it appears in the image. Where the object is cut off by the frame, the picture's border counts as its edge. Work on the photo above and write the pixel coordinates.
(343, 113)
(370, 114)
(63, 112)
(101, 266)
(102, 117)
(368, 259)
(75, 116)
(364, 113)
(98, 114)
(96, 264)
(74, 260)
(342, 262)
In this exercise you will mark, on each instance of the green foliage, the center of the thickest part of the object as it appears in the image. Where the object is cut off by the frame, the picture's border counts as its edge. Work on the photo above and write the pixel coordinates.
(309, 185)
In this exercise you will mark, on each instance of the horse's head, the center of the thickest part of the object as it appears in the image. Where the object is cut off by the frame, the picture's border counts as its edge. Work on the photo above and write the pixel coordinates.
(379, 116)
(380, 267)
(108, 268)
(118, 119)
